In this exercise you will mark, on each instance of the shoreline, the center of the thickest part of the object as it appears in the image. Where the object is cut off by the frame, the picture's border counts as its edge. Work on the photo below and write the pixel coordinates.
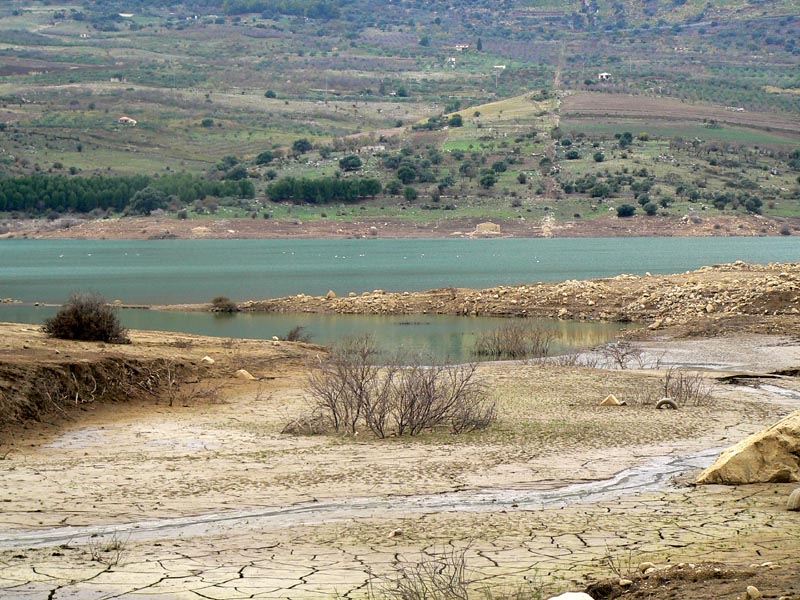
(166, 228)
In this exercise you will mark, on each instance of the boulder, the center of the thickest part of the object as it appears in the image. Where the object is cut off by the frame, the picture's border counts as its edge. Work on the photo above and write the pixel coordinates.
(769, 456)
(207, 360)
(572, 596)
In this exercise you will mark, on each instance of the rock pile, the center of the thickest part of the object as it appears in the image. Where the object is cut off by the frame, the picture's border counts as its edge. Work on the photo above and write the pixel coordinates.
(716, 292)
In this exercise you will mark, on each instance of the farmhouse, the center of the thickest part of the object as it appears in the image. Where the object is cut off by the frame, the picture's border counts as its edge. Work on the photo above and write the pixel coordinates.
(462, 47)
(604, 76)
(127, 121)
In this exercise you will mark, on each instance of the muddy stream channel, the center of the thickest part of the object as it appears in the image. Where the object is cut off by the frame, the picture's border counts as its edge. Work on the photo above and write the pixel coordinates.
(655, 474)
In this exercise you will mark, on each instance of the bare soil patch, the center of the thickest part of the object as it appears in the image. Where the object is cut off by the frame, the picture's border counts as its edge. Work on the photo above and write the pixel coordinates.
(670, 109)
(144, 228)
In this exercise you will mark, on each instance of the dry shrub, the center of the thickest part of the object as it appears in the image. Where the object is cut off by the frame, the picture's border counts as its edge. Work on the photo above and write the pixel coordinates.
(351, 390)
(297, 333)
(575, 359)
(445, 575)
(514, 341)
(684, 387)
(308, 425)
(687, 388)
(223, 304)
(86, 317)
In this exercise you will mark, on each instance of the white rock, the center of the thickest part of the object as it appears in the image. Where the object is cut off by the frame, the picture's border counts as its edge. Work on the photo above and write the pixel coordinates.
(753, 592)
(243, 374)
(207, 360)
(572, 596)
(645, 566)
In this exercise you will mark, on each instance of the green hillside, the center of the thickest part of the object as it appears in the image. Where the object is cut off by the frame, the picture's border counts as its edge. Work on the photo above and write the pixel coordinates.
(226, 90)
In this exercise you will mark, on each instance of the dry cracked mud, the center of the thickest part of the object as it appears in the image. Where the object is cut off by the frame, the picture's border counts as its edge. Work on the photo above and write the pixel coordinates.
(207, 499)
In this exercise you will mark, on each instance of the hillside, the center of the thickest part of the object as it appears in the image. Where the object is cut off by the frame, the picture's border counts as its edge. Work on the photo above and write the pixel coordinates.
(454, 110)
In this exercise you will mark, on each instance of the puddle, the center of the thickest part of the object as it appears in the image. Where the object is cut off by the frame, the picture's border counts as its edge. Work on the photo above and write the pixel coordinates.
(651, 476)
(80, 438)
(782, 392)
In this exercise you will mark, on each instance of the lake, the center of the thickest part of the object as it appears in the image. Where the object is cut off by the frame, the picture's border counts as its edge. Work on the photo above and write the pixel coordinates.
(192, 271)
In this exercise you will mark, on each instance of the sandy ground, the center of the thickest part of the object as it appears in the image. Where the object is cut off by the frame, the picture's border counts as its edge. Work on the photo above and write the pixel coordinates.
(207, 499)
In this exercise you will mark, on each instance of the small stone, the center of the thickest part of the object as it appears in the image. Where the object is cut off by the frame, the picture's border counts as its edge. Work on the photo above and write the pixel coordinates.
(275, 338)
(352, 295)
(207, 360)
(244, 374)
(330, 295)
(625, 582)
(753, 593)
(646, 566)
(572, 596)
(396, 533)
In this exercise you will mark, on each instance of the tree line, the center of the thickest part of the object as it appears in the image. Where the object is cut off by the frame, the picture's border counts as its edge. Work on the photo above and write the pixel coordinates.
(322, 190)
(45, 193)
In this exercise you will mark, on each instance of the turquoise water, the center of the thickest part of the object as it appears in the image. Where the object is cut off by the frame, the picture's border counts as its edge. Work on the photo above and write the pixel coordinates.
(179, 271)
(445, 337)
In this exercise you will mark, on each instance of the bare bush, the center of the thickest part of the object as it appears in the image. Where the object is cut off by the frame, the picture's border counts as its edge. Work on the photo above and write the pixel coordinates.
(424, 397)
(223, 304)
(86, 317)
(623, 355)
(575, 359)
(445, 575)
(107, 551)
(514, 341)
(687, 388)
(437, 576)
(351, 389)
(342, 384)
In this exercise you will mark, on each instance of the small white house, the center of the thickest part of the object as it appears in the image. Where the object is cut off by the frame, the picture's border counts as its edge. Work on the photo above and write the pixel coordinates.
(603, 76)
(127, 121)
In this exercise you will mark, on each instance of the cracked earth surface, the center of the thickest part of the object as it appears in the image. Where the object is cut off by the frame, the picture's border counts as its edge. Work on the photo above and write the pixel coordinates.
(150, 501)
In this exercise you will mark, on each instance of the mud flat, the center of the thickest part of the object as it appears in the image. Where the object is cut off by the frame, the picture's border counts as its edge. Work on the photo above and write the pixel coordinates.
(206, 498)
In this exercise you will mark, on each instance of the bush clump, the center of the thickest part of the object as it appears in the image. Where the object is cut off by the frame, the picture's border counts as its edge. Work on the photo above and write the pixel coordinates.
(223, 304)
(514, 341)
(351, 391)
(86, 317)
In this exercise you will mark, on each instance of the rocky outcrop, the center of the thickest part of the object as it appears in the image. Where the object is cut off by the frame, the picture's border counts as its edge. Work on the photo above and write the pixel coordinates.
(770, 456)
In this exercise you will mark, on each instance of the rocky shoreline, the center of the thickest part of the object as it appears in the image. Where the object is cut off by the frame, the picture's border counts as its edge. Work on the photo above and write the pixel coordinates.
(714, 294)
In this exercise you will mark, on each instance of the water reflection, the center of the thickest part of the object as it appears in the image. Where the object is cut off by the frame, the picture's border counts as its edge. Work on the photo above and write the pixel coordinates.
(442, 336)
